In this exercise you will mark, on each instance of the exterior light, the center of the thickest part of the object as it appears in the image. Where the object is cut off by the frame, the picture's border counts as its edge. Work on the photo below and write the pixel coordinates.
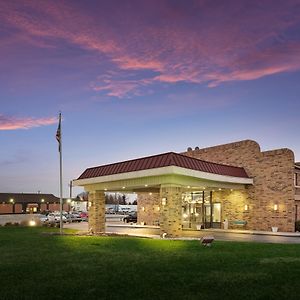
(69, 201)
(123, 187)
(220, 189)
(231, 190)
(185, 215)
(188, 187)
(158, 208)
(11, 200)
(90, 203)
(146, 185)
(275, 207)
(164, 201)
(196, 214)
(143, 208)
(204, 188)
(246, 207)
(150, 194)
(42, 200)
(105, 189)
(32, 223)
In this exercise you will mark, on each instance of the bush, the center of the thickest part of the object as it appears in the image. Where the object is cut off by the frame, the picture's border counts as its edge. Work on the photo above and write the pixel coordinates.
(297, 225)
(8, 224)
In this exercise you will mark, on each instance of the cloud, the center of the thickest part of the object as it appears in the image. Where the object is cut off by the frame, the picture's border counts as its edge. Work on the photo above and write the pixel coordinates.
(199, 42)
(14, 123)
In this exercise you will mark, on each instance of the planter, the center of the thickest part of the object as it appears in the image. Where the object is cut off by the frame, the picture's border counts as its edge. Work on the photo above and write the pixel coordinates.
(274, 229)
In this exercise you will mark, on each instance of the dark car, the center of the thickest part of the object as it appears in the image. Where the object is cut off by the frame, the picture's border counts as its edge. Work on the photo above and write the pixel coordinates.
(131, 218)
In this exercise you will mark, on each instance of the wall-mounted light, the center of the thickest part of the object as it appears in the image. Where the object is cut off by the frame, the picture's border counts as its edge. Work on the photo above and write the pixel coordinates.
(220, 189)
(275, 207)
(246, 207)
(143, 208)
(69, 201)
(158, 208)
(185, 216)
(150, 194)
(42, 200)
(146, 185)
(163, 201)
(188, 187)
(90, 203)
(231, 190)
(105, 189)
(123, 187)
(11, 200)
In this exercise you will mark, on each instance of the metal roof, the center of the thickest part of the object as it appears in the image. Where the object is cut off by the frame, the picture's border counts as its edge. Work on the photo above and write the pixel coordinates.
(163, 160)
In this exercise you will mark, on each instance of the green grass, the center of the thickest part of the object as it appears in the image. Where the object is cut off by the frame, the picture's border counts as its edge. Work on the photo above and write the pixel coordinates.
(37, 266)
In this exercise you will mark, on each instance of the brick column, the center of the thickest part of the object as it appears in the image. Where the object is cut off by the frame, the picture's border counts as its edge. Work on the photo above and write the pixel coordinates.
(171, 212)
(96, 211)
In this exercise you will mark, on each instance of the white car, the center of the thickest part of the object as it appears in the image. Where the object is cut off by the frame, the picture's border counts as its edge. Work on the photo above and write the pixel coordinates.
(54, 218)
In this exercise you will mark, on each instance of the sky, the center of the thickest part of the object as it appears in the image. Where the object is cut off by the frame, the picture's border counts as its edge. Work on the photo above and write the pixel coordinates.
(140, 77)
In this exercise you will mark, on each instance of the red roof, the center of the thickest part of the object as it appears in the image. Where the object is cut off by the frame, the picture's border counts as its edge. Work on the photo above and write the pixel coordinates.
(163, 160)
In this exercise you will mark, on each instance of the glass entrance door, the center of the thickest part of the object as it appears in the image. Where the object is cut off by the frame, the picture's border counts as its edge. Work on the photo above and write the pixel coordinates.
(198, 211)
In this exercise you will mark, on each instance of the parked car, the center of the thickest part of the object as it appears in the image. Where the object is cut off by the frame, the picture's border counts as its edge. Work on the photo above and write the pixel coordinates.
(73, 217)
(43, 219)
(55, 218)
(131, 218)
(84, 215)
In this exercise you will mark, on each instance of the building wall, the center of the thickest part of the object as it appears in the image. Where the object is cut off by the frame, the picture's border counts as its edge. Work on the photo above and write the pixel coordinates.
(148, 208)
(273, 174)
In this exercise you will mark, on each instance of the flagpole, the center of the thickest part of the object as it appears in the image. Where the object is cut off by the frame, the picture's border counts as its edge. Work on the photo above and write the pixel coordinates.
(60, 177)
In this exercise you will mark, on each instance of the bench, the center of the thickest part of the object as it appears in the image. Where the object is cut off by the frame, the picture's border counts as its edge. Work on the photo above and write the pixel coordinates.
(239, 223)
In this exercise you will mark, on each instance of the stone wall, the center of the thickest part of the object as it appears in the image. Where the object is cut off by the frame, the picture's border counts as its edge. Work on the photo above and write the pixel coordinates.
(273, 174)
(148, 208)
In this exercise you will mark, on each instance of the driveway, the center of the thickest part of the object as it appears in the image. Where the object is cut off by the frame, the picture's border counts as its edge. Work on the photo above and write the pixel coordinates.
(137, 230)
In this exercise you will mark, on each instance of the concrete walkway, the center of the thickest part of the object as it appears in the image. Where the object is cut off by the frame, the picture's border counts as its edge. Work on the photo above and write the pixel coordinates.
(219, 234)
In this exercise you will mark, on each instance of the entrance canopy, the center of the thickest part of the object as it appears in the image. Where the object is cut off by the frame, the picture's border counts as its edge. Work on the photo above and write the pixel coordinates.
(149, 173)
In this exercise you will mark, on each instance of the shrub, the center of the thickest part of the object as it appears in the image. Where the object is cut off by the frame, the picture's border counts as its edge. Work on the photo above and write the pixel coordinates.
(8, 224)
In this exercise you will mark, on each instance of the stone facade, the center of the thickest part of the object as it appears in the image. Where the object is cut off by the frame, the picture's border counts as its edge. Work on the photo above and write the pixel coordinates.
(171, 212)
(273, 174)
(148, 208)
(96, 211)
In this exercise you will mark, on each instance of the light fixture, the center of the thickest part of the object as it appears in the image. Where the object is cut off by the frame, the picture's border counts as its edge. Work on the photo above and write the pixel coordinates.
(150, 194)
(196, 214)
(220, 189)
(143, 208)
(185, 215)
(32, 223)
(188, 187)
(90, 203)
(231, 190)
(123, 187)
(275, 207)
(11, 200)
(204, 188)
(158, 208)
(69, 201)
(246, 207)
(163, 201)
(42, 200)
(105, 189)
(146, 185)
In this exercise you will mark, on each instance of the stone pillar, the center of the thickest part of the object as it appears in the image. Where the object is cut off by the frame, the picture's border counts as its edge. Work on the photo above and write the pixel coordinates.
(96, 211)
(171, 212)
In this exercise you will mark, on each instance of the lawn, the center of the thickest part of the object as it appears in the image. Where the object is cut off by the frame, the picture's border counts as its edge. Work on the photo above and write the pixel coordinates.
(38, 266)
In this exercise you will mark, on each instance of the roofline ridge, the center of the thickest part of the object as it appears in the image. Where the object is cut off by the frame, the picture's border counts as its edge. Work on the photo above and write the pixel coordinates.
(129, 160)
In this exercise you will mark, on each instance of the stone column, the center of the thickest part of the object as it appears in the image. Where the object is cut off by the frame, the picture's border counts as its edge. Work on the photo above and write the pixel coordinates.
(96, 211)
(171, 212)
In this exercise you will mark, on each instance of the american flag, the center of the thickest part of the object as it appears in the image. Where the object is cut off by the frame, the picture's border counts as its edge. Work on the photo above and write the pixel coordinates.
(58, 133)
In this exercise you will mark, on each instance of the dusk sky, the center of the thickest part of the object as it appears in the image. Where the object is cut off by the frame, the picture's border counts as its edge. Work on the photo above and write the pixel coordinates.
(136, 78)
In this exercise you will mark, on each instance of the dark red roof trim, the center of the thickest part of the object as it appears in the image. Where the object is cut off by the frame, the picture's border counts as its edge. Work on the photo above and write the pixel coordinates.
(163, 160)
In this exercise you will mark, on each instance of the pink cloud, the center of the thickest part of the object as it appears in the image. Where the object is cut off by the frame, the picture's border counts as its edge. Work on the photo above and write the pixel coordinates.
(201, 42)
(14, 123)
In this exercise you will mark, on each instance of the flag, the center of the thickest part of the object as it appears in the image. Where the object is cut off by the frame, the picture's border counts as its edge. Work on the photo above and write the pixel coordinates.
(58, 133)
